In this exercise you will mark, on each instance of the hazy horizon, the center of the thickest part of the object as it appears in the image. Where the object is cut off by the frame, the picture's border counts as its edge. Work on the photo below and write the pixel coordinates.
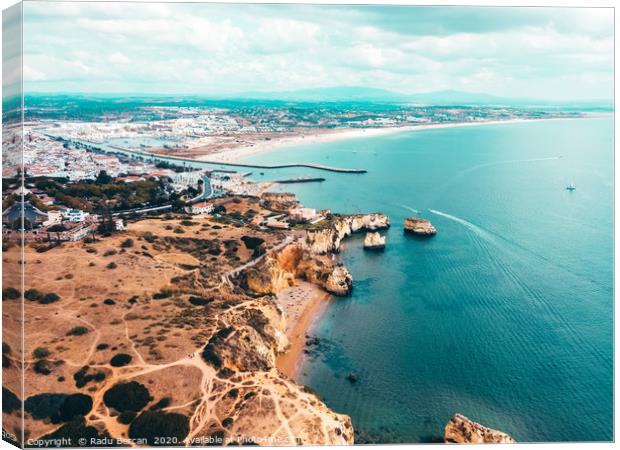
(434, 98)
(223, 50)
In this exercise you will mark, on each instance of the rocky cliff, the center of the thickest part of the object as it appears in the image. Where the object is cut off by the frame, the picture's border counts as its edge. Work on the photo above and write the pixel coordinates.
(419, 226)
(328, 238)
(165, 348)
(461, 430)
(374, 241)
(279, 271)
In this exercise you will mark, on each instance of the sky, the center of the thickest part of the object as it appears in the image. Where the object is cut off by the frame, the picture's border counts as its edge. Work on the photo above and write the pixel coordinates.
(561, 54)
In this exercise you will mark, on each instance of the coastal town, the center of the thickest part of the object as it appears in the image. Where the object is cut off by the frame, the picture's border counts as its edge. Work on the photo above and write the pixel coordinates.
(146, 155)
(220, 244)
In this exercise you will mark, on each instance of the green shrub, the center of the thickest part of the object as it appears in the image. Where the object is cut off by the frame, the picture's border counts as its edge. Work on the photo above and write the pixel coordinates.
(82, 377)
(10, 401)
(120, 360)
(163, 403)
(161, 295)
(112, 265)
(40, 352)
(149, 237)
(152, 425)
(11, 293)
(33, 294)
(49, 298)
(77, 331)
(127, 243)
(130, 396)
(199, 301)
(43, 367)
(126, 417)
(227, 422)
(72, 432)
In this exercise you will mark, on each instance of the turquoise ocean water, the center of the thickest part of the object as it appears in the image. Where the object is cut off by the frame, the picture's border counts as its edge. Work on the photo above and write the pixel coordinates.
(506, 316)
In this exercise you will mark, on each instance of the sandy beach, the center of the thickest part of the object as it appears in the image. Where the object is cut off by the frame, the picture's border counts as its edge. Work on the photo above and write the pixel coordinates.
(302, 305)
(238, 153)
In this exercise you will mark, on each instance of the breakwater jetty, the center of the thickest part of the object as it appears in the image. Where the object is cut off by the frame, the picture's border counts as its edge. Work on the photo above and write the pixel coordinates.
(266, 166)
(300, 180)
(109, 148)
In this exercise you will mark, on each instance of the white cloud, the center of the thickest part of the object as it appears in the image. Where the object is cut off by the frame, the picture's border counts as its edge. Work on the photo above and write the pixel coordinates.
(118, 58)
(210, 48)
(31, 74)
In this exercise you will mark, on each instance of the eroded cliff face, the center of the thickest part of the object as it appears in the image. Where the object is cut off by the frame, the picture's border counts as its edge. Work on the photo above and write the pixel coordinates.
(461, 430)
(243, 352)
(279, 271)
(329, 238)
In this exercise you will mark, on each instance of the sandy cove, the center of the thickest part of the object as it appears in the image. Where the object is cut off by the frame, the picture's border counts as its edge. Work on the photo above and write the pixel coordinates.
(238, 153)
(302, 304)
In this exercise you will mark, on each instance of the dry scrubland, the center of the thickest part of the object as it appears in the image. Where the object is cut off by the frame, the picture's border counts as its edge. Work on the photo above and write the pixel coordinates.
(149, 333)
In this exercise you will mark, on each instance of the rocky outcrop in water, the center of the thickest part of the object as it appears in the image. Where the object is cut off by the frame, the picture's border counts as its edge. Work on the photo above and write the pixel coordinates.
(328, 238)
(419, 226)
(339, 282)
(461, 430)
(374, 241)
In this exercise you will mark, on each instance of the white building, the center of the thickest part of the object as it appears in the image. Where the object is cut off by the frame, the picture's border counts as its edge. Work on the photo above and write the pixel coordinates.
(200, 208)
(53, 218)
(302, 214)
(75, 215)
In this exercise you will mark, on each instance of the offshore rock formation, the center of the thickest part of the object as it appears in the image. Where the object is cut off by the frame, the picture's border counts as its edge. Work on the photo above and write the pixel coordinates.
(339, 281)
(329, 238)
(311, 259)
(419, 226)
(461, 430)
(374, 241)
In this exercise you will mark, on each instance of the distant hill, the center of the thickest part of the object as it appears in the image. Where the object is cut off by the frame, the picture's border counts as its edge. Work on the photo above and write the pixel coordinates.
(457, 98)
(340, 94)
(437, 98)
(331, 94)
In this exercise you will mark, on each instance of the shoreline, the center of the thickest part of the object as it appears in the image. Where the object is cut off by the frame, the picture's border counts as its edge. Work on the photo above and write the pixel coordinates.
(303, 304)
(238, 154)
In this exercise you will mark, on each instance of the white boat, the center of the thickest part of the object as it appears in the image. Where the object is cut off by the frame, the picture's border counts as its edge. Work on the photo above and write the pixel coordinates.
(571, 187)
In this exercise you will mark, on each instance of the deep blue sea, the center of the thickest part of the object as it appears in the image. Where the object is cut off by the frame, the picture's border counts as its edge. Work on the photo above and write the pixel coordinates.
(506, 316)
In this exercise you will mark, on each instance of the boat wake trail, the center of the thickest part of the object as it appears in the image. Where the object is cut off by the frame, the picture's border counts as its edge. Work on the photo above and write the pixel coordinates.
(409, 208)
(510, 161)
(471, 226)
(516, 252)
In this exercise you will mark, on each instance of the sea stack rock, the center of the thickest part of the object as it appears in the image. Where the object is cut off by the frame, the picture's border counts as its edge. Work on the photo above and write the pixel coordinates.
(418, 226)
(461, 430)
(339, 282)
(374, 241)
